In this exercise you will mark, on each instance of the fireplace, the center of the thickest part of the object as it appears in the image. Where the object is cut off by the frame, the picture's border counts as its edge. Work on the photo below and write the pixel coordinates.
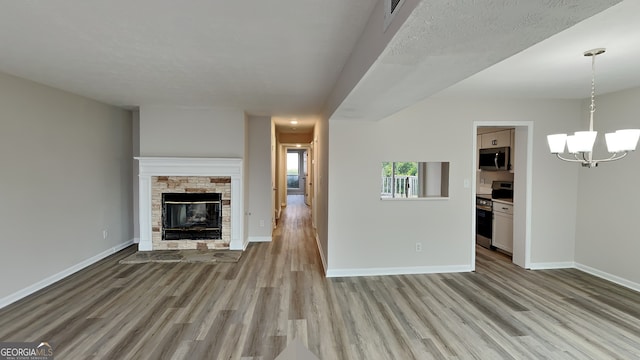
(178, 203)
(190, 212)
(191, 216)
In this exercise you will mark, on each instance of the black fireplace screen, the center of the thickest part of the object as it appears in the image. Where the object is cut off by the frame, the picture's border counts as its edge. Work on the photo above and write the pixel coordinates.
(192, 216)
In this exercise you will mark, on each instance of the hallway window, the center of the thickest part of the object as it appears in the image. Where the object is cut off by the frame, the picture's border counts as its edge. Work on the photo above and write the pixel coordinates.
(293, 170)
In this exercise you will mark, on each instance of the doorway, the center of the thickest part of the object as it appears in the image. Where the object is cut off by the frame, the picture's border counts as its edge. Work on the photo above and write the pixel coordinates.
(296, 171)
(522, 190)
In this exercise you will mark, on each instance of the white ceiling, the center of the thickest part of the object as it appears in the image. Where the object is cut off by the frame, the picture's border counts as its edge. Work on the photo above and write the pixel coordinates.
(556, 67)
(277, 57)
(283, 57)
(445, 42)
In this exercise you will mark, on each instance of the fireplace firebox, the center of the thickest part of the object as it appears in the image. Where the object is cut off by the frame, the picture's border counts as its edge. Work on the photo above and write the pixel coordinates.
(191, 216)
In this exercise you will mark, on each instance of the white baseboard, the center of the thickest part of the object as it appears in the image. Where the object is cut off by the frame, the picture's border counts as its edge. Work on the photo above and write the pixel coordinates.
(324, 261)
(610, 277)
(260, 239)
(61, 275)
(552, 265)
(398, 270)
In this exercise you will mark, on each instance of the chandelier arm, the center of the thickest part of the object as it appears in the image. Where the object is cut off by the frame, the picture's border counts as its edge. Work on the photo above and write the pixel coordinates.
(613, 157)
(584, 157)
(576, 160)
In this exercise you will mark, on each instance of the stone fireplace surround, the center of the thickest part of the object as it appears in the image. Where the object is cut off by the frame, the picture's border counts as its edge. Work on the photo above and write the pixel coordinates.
(193, 185)
(150, 167)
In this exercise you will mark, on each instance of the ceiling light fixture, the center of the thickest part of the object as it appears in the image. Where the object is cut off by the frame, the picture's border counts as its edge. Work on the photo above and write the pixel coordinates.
(294, 122)
(580, 144)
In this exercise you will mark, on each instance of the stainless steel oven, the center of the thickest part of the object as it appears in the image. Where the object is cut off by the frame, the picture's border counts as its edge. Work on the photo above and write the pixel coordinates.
(484, 222)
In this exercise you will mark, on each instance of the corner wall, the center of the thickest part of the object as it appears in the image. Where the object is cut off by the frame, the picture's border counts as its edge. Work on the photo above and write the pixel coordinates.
(439, 129)
(66, 176)
(183, 131)
(260, 191)
(609, 199)
(320, 205)
(135, 139)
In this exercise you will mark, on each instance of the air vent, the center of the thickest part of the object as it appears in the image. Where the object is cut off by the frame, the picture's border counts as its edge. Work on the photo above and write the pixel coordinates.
(394, 5)
(390, 9)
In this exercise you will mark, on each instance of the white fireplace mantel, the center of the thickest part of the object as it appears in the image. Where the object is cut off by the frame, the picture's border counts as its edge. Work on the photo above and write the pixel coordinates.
(175, 166)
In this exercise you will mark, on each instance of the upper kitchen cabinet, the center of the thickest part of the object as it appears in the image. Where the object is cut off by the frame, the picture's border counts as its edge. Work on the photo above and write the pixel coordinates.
(478, 147)
(496, 139)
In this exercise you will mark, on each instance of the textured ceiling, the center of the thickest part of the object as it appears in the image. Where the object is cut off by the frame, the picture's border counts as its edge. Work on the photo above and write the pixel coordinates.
(265, 57)
(283, 57)
(444, 42)
(556, 67)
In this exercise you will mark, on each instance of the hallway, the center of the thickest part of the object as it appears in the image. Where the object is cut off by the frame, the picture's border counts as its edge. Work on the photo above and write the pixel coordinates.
(277, 292)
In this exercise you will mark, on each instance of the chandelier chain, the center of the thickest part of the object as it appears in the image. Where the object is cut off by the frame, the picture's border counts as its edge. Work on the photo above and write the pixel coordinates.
(593, 91)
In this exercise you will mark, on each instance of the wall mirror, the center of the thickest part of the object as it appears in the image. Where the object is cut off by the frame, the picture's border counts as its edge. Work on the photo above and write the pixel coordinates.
(414, 179)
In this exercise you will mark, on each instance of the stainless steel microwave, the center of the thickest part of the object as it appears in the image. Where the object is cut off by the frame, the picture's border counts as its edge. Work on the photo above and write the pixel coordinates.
(495, 159)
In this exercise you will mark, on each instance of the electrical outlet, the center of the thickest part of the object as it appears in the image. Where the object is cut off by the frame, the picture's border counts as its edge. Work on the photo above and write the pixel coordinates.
(261, 223)
(105, 234)
(418, 247)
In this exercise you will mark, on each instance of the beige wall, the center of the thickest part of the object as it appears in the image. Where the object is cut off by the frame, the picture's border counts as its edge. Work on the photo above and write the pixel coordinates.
(135, 139)
(66, 176)
(295, 138)
(246, 179)
(275, 161)
(440, 130)
(191, 132)
(259, 179)
(320, 205)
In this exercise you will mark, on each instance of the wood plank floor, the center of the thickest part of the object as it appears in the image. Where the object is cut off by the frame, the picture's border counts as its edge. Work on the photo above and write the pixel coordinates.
(277, 293)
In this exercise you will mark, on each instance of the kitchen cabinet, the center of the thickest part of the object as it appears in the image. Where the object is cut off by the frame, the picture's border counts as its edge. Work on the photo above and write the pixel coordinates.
(496, 139)
(478, 146)
(503, 226)
(512, 151)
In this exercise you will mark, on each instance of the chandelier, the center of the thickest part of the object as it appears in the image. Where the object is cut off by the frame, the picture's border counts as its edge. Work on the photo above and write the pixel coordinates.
(580, 144)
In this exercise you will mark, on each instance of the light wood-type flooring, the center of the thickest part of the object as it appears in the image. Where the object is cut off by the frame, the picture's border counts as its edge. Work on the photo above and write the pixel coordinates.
(277, 293)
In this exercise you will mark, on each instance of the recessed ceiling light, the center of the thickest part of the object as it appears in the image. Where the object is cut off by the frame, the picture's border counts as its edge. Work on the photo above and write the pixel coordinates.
(294, 122)
(298, 145)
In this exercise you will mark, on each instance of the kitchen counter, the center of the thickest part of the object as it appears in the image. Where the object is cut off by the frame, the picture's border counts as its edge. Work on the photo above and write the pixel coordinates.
(503, 201)
(500, 201)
